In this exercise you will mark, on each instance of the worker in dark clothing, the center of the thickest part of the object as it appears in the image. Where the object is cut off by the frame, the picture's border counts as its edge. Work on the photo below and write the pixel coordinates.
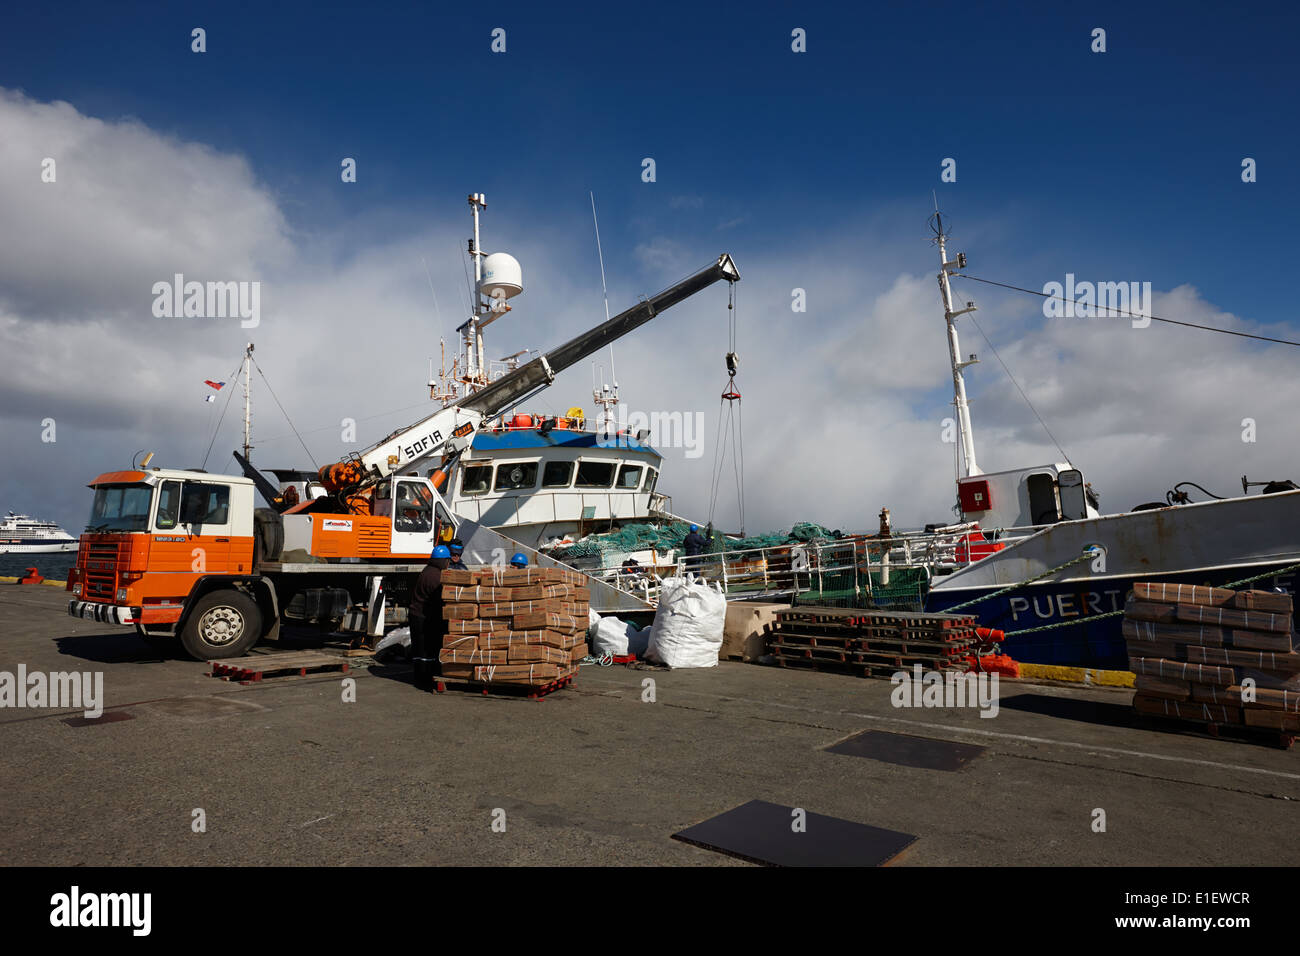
(694, 545)
(457, 548)
(427, 625)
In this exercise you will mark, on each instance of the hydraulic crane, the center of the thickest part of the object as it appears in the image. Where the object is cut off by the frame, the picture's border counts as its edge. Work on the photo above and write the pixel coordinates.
(450, 430)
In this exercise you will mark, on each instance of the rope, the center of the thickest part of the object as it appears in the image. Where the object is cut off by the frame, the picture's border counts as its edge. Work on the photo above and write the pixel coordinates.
(1086, 556)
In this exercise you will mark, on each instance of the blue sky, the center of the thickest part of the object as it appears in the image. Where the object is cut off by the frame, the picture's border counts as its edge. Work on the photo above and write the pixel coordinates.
(1116, 155)
(1121, 165)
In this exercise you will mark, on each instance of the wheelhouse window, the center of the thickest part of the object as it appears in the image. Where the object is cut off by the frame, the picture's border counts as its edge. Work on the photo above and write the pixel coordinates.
(120, 508)
(595, 474)
(651, 476)
(476, 479)
(516, 476)
(557, 474)
(629, 477)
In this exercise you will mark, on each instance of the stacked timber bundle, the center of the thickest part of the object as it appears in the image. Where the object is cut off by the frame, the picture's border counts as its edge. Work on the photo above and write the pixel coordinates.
(1214, 656)
(521, 627)
(871, 643)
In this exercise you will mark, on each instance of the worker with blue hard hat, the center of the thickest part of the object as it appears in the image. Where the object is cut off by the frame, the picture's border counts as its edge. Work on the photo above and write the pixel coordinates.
(520, 560)
(457, 548)
(427, 625)
(694, 545)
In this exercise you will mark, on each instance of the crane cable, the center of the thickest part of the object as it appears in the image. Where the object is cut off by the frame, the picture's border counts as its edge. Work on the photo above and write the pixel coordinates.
(730, 400)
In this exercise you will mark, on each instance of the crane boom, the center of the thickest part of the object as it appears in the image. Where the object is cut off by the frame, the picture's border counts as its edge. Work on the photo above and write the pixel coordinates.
(450, 430)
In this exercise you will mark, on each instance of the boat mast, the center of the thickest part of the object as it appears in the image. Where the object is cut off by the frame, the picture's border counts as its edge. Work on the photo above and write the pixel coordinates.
(248, 359)
(947, 268)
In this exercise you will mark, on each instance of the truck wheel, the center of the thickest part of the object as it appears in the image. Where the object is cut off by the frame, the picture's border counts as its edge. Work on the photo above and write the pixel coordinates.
(222, 624)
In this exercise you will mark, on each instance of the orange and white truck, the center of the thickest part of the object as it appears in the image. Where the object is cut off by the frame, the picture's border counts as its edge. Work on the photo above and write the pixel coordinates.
(188, 555)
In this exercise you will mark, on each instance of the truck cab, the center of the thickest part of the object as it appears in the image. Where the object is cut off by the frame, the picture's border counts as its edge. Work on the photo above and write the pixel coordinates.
(152, 535)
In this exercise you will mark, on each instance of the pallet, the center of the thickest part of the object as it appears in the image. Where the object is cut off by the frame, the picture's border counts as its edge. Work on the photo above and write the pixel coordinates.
(251, 670)
(922, 645)
(874, 669)
(501, 689)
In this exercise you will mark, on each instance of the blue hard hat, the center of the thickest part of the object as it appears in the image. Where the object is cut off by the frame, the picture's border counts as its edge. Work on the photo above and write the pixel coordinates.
(441, 551)
(695, 527)
(520, 560)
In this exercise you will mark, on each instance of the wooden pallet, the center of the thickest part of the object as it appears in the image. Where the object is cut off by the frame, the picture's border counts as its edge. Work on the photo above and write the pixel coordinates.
(500, 688)
(862, 668)
(250, 670)
(922, 645)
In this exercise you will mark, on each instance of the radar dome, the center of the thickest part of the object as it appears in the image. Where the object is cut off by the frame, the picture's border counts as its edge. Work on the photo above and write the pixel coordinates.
(501, 271)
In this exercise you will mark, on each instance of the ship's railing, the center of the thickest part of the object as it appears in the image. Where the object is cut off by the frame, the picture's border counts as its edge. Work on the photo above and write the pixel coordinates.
(851, 572)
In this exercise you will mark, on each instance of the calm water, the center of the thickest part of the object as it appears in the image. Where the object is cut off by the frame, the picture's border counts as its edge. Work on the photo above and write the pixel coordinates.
(53, 566)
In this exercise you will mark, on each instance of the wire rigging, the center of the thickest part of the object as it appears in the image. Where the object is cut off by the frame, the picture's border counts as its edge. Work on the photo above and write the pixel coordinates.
(1137, 315)
(230, 378)
(310, 457)
(989, 343)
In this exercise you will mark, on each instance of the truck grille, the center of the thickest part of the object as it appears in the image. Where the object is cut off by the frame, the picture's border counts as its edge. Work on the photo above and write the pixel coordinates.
(99, 563)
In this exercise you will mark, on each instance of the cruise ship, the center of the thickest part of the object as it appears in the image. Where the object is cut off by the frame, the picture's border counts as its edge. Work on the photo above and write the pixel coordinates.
(21, 534)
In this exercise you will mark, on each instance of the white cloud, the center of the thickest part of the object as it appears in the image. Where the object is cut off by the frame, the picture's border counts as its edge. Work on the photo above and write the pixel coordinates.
(842, 404)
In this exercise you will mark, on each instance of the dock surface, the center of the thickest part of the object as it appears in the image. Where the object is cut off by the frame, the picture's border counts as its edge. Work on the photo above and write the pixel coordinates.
(286, 772)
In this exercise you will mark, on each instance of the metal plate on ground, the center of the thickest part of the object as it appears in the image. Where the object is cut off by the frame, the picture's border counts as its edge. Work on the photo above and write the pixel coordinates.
(764, 833)
(907, 750)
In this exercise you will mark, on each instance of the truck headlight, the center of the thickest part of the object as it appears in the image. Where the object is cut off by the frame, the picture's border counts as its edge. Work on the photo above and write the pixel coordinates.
(121, 594)
(76, 588)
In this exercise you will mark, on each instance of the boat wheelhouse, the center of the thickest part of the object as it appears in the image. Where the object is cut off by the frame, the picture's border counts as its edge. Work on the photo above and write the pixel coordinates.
(540, 480)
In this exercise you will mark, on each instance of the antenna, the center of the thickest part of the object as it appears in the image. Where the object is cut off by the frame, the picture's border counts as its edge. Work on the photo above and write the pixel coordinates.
(248, 359)
(605, 290)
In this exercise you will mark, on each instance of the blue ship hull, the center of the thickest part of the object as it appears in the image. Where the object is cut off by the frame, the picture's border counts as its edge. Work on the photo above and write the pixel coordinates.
(1088, 640)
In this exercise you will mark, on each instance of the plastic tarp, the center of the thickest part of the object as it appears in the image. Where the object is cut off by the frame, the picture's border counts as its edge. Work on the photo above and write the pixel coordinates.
(688, 625)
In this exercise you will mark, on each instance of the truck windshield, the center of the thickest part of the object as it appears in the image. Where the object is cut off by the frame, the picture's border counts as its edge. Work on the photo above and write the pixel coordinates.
(120, 508)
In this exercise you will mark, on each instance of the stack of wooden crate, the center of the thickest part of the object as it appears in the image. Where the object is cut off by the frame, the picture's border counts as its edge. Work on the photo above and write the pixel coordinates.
(520, 626)
(871, 643)
(1214, 656)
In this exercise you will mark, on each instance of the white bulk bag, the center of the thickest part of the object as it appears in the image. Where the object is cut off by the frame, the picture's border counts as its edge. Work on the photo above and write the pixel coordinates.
(687, 631)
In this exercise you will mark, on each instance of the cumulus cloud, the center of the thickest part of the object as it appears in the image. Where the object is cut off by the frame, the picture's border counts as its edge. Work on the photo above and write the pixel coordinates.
(843, 404)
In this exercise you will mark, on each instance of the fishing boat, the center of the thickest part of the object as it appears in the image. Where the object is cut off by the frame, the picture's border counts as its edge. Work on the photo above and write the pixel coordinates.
(1053, 572)
(22, 534)
(542, 479)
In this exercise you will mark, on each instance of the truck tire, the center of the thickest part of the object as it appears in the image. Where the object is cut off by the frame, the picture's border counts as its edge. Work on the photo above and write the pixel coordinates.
(221, 624)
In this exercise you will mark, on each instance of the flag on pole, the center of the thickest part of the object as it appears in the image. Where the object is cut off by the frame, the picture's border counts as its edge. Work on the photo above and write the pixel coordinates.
(212, 384)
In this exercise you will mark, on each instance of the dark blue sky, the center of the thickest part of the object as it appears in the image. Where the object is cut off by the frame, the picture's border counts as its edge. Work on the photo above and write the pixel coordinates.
(1123, 163)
